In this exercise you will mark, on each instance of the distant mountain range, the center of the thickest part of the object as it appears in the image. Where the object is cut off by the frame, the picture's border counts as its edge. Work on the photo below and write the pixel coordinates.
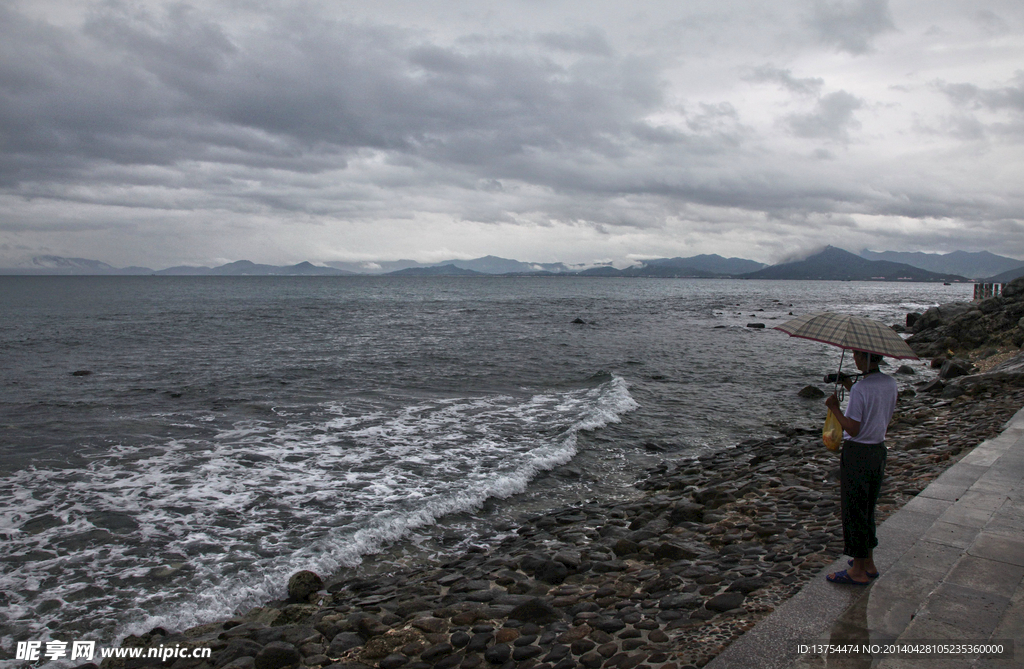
(972, 265)
(485, 265)
(830, 264)
(838, 265)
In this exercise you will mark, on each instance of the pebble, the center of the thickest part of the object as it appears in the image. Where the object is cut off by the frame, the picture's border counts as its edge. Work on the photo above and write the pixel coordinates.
(666, 581)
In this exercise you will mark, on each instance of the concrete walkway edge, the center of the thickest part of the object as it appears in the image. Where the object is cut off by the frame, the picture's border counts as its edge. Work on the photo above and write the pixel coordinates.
(951, 563)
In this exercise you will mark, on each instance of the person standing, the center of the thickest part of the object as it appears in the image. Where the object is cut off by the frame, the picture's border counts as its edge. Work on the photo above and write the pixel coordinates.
(862, 463)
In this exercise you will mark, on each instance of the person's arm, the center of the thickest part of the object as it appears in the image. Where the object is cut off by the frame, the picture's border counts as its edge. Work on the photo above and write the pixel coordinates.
(850, 426)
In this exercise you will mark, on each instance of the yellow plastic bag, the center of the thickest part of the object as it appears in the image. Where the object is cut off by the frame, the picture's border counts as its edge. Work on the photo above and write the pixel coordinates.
(832, 433)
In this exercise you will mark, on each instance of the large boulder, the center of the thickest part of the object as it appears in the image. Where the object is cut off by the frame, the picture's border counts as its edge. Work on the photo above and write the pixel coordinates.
(941, 315)
(1014, 290)
(277, 655)
(302, 584)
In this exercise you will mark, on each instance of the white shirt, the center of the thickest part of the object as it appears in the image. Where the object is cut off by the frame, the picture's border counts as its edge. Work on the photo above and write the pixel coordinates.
(872, 403)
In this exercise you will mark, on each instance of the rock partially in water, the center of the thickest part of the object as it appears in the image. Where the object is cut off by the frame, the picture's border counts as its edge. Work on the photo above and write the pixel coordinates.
(302, 584)
(811, 392)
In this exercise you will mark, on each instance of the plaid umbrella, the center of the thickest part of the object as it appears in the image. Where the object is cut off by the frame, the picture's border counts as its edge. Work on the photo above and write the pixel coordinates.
(849, 332)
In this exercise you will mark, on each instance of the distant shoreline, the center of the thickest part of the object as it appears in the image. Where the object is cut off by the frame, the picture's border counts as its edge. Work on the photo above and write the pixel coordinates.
(829, 264)
(475, 275)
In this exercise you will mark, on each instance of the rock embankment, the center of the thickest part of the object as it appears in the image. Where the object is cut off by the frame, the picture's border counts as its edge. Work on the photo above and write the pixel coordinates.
(961, 327)
(710, 546)
(963, 338)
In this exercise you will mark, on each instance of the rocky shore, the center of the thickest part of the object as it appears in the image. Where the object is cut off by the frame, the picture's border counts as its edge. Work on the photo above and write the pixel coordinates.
(666, 581)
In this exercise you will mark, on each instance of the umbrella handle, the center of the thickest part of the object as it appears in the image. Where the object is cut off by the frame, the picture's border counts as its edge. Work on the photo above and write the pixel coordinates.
(839, 389)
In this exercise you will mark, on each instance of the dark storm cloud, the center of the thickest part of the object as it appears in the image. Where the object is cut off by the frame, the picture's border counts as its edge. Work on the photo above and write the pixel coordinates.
(851, 25)
(169, 88)
(282, 117)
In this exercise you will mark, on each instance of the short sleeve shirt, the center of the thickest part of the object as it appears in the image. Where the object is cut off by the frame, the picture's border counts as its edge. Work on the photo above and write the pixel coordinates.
(872, 403)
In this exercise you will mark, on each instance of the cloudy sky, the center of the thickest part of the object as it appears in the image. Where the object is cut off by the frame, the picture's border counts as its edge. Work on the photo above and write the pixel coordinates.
(164, 133)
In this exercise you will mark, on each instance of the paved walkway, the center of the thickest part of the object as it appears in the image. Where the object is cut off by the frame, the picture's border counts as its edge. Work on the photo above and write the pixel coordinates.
(952, 570)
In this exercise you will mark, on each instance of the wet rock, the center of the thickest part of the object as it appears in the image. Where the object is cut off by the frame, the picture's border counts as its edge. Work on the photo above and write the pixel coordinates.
(747, 585)
(393, 661)
(608, 625)
(535, 611)
(411, 606)
(277, 655)
(811, 392)
(498, 653)
(479, 642)
(725, 602)
(506, 635)
(370, 627)
(432, 625)
(582, 646)
(951, 369)
(906, 369)
(712, 498)
(81, 372)
(675, 551)
(342, 642)
(625, 547)
(952, 392)
(522, 653)
(682, 600)
(686, 512)
(552, 572)
(570, 558)
(756, 326)
(302, 584)
(436, 652)
(244, 662)
(235, 649)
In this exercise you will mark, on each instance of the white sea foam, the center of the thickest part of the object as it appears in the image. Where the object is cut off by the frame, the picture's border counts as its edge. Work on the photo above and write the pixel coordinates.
(197, 529)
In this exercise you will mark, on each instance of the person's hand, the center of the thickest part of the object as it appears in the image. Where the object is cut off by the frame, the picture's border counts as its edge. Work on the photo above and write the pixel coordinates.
(832, 402)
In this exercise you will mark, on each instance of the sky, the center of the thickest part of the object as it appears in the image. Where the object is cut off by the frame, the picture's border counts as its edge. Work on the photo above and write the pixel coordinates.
(165, 133)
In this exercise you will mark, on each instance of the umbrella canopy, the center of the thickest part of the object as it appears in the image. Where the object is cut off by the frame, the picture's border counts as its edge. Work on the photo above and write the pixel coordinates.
(849, 332)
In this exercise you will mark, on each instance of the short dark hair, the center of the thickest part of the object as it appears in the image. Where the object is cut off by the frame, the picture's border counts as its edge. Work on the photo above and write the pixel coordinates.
(873, 358)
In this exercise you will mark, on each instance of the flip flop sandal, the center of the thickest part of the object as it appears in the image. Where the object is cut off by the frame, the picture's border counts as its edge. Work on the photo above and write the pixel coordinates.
(843, 578)
(870, 574)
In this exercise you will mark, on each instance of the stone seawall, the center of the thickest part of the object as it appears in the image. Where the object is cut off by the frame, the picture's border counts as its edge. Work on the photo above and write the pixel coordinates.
(666, 581)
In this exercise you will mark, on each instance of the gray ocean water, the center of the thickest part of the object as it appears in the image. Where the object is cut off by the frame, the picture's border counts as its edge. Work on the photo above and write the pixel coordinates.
(234, 430)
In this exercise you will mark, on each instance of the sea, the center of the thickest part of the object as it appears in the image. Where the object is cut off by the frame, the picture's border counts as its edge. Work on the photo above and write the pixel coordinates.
(172, 449)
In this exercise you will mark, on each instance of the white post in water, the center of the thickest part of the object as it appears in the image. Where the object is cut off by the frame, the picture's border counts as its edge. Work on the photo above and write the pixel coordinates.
(983, 291)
